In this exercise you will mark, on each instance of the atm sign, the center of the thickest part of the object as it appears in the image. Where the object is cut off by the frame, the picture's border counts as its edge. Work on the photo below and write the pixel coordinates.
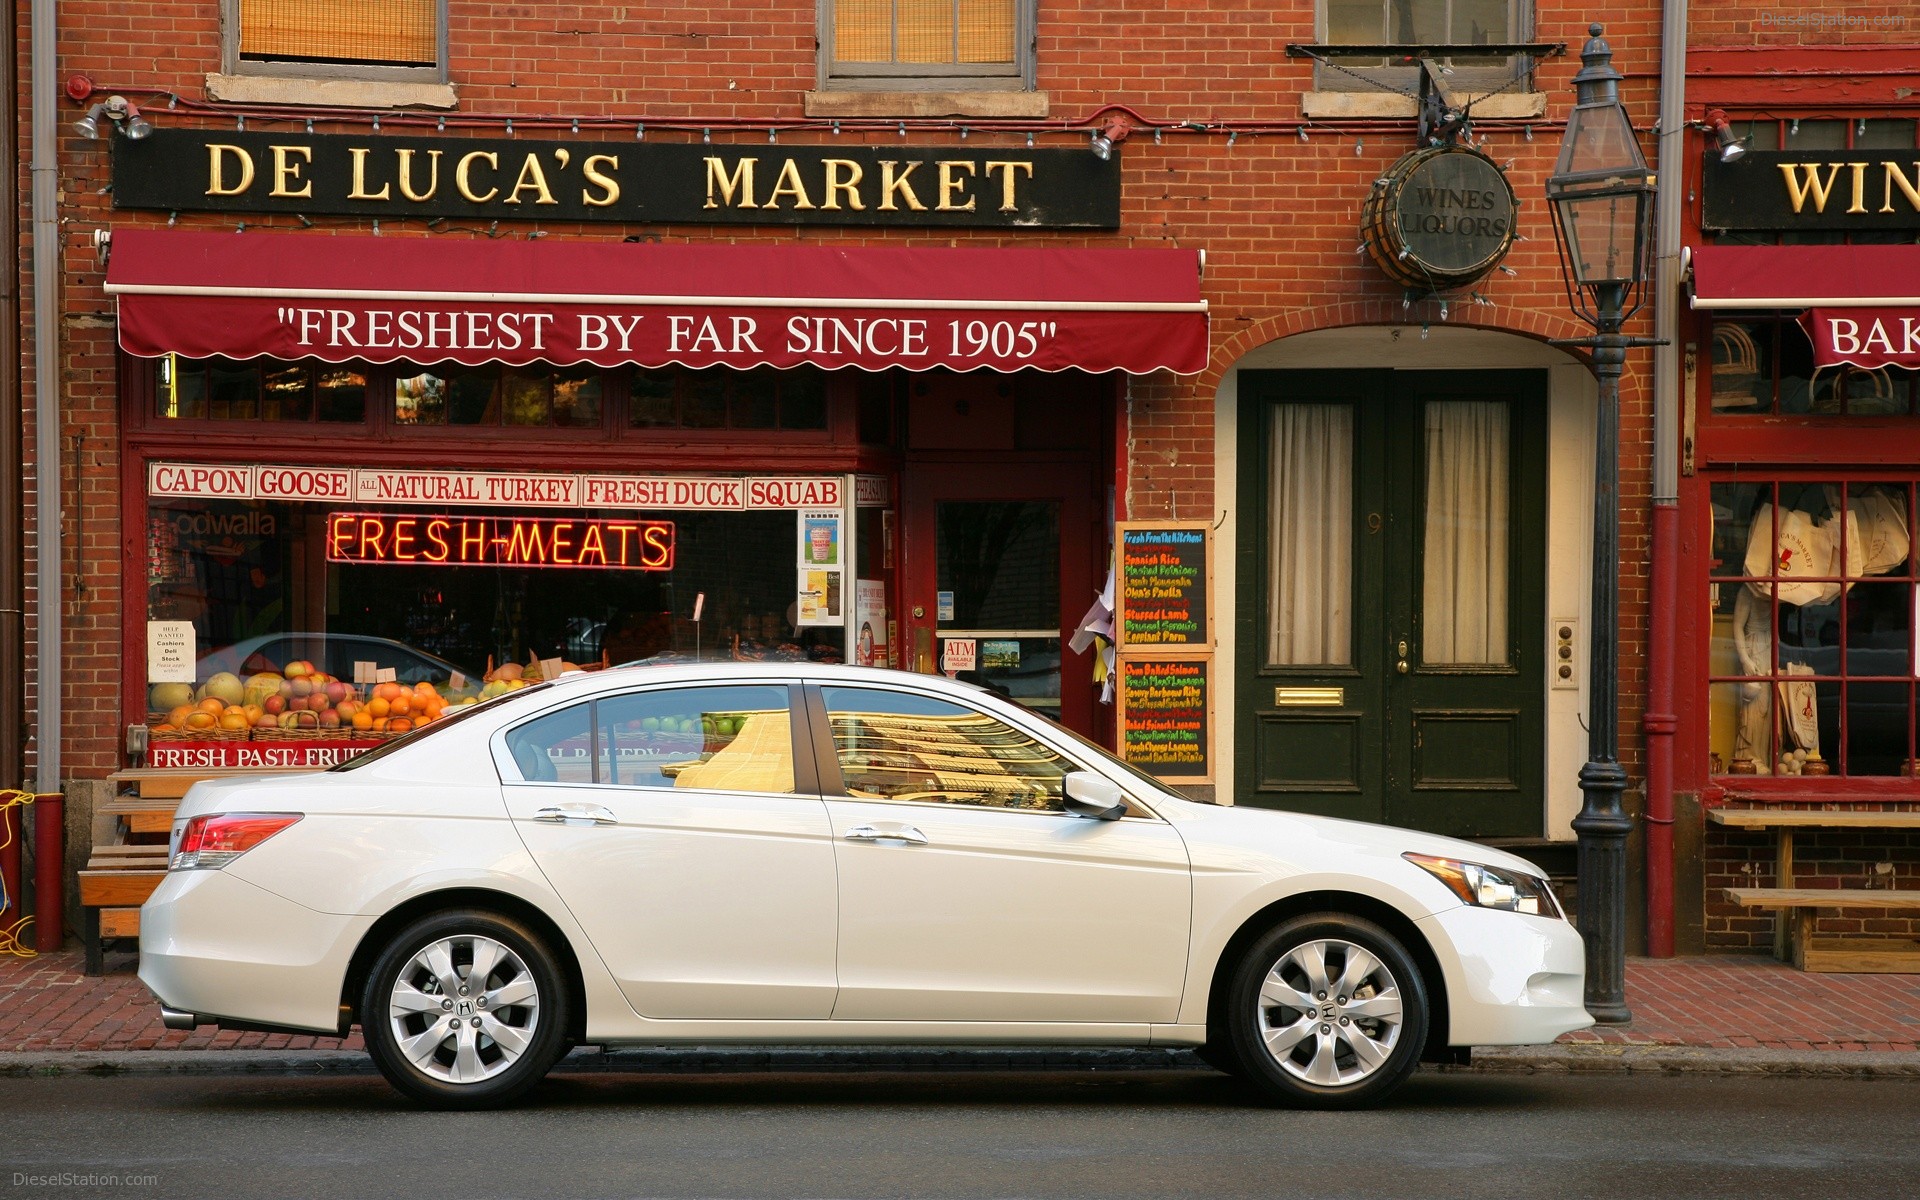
(402, 539)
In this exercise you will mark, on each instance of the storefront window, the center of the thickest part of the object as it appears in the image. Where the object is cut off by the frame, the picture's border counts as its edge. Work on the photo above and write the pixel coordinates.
(1764, 365)
(220, 389)
(760, 399)
(382, 599)
(535, 397)
(1813, 607)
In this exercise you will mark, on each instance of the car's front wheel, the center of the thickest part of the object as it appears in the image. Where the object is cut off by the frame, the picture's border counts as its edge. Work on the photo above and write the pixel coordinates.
(465, 1009)
(1326, 1010)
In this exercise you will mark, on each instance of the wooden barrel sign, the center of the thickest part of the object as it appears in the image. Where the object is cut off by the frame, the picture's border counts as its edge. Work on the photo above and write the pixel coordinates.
(1440, 218)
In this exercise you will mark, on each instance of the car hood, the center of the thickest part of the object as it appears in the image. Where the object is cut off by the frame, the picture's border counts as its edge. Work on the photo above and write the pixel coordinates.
(1294, 836)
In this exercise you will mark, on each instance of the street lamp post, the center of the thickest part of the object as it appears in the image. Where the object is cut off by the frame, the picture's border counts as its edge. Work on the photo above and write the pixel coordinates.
(1601, 194)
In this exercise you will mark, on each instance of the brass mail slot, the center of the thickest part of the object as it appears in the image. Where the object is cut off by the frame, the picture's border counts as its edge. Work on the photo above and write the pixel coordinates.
(1300, 697)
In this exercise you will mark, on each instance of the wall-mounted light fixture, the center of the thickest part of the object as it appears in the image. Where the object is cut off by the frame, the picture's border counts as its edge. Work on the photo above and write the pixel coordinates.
(1722, 130)
(1112, 132)
(118, 110)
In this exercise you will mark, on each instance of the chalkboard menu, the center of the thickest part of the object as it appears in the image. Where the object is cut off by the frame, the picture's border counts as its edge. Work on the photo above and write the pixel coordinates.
(1161, 586)
(1165, 715)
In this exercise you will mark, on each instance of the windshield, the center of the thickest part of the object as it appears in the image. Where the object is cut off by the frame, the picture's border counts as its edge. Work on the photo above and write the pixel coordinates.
(431, 728)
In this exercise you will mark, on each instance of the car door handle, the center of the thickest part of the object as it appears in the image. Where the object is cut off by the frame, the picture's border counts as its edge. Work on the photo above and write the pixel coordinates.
(577, 814)
(868, 833)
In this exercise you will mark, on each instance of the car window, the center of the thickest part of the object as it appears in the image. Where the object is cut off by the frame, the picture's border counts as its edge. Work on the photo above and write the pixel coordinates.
(900, 746)
(737, 739)
(556, 748)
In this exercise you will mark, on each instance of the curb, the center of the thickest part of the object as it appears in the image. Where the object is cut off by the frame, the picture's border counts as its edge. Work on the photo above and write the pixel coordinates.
(706, 1060)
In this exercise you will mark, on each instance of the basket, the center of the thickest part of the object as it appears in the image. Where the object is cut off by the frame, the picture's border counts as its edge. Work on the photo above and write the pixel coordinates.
(1843, 393)
(198, 735)
(301, 735)
(1736, 368)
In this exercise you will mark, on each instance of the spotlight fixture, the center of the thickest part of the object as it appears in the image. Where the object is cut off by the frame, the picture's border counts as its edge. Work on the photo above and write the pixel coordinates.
(120, 112)
(1722, 130)
(1112, 132)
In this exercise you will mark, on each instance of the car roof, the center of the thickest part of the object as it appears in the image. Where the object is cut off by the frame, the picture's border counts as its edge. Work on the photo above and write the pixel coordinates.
(710, 672)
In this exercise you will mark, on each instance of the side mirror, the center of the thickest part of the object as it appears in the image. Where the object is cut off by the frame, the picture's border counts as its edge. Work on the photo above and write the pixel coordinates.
(1094, 797)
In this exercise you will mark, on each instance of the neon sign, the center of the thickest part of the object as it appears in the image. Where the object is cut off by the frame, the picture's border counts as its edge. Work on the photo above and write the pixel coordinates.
(406, 539)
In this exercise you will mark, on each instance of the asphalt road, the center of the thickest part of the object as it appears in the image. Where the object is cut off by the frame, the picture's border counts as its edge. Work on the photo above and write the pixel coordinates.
(990, 1135)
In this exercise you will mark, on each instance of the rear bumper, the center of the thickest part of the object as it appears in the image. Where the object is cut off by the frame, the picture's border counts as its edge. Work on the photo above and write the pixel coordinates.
(217, 950)
(1512, 979)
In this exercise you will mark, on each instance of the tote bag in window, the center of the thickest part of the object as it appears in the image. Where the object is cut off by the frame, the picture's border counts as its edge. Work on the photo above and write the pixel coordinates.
(1806, 548)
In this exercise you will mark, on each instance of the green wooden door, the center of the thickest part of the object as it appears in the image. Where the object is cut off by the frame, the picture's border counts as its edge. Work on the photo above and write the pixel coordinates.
(1391, 623)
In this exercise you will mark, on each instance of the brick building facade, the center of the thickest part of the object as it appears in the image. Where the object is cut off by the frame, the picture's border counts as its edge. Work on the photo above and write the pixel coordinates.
(1261, 161)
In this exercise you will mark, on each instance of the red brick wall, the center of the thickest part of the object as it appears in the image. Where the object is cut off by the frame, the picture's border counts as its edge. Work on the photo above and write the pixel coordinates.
(1277, 217)
(1738, 858)
(1794, 23)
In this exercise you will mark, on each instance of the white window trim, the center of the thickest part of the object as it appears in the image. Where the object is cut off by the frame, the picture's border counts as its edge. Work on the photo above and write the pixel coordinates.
(1018, 76)
(232, 65)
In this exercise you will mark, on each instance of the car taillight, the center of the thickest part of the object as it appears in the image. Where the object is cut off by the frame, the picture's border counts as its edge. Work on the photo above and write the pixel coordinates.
(211, 842)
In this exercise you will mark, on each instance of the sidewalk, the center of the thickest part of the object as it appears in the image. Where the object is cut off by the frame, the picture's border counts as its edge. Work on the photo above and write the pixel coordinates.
(1724, 1012)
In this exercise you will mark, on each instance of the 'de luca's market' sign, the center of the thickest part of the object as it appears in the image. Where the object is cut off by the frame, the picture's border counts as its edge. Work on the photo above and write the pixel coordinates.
(522, 179)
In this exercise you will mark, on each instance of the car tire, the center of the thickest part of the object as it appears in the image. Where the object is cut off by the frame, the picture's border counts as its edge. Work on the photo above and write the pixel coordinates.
(453, 1041)
(1326, 1010)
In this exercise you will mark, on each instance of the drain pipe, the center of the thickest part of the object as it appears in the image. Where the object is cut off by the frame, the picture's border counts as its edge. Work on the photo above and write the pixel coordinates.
(46, 403)
(1660, 720)
(13, 522)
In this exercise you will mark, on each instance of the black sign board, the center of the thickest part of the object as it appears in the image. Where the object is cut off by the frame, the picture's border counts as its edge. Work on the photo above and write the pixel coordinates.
(1165, 716)
(1161, 586)
(1841, 190)
(681, 183)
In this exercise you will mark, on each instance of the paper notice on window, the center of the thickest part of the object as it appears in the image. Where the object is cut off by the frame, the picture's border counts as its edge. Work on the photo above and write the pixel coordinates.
(819, 598)
(171, 651)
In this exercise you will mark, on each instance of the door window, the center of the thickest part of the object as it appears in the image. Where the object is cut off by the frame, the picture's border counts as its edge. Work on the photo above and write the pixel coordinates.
(1463, 566)
(556, 748)
(1310, 533)
(736, 739)
(893, 745)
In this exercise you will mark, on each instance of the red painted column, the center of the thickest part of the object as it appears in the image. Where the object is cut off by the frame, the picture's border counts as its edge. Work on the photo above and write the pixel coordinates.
(10, 864)
(49, 865)
(1660, 723)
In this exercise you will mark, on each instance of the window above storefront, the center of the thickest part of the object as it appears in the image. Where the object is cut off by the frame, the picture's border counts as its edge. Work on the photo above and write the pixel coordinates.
(394, 40)
(899, 45)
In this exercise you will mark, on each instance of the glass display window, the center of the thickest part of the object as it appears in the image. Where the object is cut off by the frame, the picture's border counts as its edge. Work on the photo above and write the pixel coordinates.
(1813, 606)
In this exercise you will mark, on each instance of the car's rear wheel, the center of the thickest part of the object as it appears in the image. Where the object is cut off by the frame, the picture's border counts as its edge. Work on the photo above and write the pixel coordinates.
(465, 1009)
(1326, 1010)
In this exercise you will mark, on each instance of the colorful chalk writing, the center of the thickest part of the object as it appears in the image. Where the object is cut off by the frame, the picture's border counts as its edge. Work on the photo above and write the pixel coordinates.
(1165, 728)
(1163, 587)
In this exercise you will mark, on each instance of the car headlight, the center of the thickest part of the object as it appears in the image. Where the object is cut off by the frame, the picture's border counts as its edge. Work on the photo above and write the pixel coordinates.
(1490, 887)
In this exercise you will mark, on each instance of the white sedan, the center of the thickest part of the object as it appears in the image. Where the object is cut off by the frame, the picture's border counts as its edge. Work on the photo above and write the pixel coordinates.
(769, 853)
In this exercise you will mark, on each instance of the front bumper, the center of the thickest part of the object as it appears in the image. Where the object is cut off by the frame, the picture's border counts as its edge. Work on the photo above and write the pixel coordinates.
(1512, 979)
(217, 950)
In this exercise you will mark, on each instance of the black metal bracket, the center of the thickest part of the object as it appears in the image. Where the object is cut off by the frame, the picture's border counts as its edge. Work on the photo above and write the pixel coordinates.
(1442, 116)
(1621, 341)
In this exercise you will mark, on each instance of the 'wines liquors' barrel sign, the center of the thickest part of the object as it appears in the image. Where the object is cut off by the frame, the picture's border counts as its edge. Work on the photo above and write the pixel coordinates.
(1440, 218)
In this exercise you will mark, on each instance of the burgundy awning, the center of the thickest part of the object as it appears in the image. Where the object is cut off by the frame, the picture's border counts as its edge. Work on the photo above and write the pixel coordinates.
(1862, 302)
(437, 299)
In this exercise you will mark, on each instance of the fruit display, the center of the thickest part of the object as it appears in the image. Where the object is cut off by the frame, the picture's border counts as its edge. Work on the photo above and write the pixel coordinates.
(296, 701)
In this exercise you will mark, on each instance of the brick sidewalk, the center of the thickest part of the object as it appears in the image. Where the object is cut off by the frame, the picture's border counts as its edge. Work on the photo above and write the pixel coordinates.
(1723, 1002)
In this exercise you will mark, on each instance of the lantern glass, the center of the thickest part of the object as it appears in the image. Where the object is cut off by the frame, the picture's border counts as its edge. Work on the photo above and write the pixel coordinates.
(1604, 235)
(1599, 143)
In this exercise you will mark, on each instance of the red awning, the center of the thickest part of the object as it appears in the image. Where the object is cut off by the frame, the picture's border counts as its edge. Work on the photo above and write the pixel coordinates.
(1806, 276)
(1862, 302)
(342, 299)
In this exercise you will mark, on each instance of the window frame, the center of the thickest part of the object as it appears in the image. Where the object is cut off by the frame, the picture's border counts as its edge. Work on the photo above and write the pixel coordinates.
(1018, 76)
(1364, 80)
(231, 63)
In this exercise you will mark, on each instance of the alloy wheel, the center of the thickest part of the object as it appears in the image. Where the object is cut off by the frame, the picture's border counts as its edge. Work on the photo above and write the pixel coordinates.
(1330, 1013)
(464, 1009)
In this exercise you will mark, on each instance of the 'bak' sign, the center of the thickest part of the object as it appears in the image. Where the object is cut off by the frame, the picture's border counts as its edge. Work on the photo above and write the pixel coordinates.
(526, 179)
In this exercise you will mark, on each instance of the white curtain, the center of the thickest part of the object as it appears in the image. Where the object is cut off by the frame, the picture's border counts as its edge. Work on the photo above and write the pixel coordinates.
(1464, 562)
(1310, 536)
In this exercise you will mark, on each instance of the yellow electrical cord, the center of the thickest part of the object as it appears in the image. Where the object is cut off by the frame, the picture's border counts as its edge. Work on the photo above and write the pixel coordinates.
(13, 938)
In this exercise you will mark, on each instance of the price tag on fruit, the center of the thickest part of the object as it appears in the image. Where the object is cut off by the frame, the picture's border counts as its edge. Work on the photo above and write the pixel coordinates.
(364, 672)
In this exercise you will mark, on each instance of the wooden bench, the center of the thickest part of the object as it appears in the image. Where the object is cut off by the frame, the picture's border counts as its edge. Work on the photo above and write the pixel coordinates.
(1793, 935)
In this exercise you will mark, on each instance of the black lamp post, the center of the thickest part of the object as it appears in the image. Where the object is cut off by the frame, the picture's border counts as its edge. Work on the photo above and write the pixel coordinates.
(1601, 193)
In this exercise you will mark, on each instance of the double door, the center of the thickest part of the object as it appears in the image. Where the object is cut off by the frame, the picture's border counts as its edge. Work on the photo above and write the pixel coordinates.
(1391, 617)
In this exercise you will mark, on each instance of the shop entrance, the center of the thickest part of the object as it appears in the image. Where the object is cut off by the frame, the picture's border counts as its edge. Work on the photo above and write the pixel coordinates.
(1002, 555)
(1393, 571)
